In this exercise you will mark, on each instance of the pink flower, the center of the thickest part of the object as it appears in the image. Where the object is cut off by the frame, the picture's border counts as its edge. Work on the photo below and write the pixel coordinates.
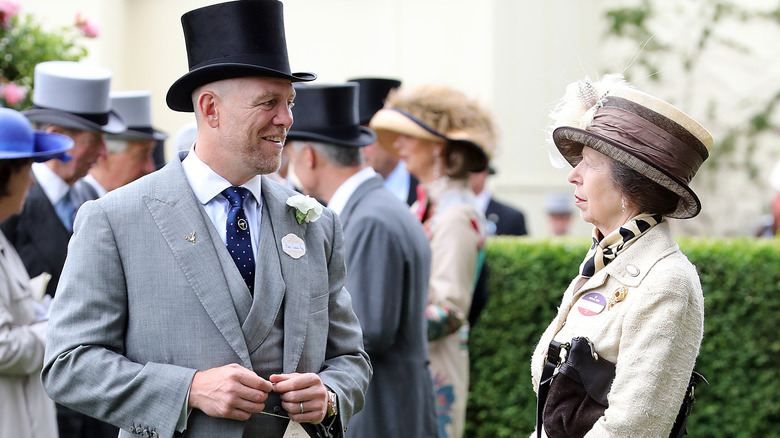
(89, 28)
(13, 93)
(8, 9)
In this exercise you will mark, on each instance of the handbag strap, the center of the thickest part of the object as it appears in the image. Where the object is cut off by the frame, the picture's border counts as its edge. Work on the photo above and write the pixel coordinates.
(550, 365)
(680, 423)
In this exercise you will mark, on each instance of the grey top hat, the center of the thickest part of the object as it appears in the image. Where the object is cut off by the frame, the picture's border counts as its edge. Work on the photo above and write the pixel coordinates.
(74, 95)
(135, 107)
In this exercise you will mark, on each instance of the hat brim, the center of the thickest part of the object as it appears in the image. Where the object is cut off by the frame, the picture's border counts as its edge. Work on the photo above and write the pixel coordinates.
(389, 124)
(47, 145)
(179, 97)
(365, 137)
(133, 134)
(115, 124)
(570, 142)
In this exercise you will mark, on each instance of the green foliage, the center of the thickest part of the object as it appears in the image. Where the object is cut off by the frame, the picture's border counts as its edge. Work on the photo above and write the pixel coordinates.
(740, 280)
(738, 141)
(24, 43)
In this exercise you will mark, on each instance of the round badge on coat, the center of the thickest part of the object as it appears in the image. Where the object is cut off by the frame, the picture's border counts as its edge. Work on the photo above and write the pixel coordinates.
(591, 304)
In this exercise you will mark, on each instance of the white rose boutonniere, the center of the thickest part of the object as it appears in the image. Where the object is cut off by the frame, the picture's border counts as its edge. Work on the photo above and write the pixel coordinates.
(306, 208)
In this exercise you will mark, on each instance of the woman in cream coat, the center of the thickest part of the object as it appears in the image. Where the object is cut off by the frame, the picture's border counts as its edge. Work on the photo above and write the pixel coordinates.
(442, 135)
(637, 298)
(25, 409)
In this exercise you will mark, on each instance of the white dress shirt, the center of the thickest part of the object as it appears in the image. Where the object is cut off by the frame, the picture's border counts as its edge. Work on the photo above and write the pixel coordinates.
(208, 187)
(53, 186)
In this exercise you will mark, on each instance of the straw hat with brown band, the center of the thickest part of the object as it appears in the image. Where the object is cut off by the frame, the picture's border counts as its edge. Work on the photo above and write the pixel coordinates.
(389, 123)
(643, 132)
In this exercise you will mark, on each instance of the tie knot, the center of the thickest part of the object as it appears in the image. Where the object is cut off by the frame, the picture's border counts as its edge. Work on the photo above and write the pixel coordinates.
(236, 195)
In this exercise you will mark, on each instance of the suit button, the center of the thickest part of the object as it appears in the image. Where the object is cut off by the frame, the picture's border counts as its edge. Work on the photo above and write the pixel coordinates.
(277, 409)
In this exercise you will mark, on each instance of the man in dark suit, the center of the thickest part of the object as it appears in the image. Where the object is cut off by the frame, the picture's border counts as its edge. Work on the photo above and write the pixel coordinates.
(388, 260)
(372, 95)
(72, 99)
(501, 220)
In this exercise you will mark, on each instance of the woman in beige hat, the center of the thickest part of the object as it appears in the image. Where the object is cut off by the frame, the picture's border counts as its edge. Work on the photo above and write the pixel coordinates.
(637, 298)
(443, 135)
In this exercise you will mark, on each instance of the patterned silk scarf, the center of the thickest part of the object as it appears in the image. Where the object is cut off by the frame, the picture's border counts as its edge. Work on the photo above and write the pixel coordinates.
(604, 251)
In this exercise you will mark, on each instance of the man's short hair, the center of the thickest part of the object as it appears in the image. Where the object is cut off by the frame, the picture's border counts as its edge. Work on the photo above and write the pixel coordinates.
(338, 156)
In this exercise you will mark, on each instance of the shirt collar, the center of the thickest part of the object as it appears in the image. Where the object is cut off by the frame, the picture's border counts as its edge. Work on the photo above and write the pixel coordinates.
(348, 187)
(207, 184)
(99, 189)
(398, 181)
(482, 199)
(53, 186)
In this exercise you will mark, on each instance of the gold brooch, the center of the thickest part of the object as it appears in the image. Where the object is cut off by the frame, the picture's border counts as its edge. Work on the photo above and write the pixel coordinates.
(617, 296)
(191, 237)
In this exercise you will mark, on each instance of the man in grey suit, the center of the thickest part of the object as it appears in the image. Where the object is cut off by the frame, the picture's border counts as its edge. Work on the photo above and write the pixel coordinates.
(388, 259)
(195, 300)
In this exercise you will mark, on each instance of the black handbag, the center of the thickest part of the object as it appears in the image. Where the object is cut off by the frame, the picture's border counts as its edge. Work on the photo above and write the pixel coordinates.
(579, 391)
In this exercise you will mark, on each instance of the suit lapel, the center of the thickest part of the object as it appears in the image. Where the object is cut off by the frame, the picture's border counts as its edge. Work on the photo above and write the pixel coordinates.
(184, 225)
(293, 272)
(269, 284)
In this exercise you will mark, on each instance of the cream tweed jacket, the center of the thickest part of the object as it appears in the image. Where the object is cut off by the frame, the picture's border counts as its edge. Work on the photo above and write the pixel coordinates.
(653, 334)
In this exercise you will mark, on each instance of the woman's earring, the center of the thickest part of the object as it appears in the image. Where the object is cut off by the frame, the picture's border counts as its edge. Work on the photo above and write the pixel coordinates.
(623, 204)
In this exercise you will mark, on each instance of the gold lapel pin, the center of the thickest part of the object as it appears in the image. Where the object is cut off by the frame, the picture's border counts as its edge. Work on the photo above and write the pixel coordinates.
(191, 237)
(617, 296)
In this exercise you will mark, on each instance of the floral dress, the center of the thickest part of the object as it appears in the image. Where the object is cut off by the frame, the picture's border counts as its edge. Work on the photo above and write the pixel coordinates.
(456, 230)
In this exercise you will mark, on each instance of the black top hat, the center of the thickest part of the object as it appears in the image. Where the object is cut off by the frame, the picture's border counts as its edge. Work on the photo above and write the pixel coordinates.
(230, 40)
(329, 114)
(373, 92)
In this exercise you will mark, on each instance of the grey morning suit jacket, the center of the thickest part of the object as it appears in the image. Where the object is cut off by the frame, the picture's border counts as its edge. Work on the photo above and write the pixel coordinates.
(388, 265)
(149, 295)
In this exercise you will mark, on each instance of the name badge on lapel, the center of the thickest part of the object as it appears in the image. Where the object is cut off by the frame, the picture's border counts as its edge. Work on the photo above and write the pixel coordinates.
(591, 304)
(293, 246)
(295, 430)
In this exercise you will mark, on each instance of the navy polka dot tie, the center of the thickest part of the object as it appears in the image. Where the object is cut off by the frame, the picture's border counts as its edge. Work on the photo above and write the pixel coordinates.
(239, 243)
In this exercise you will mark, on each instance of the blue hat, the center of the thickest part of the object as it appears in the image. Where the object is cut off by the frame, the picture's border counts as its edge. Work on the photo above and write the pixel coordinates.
(19, 140)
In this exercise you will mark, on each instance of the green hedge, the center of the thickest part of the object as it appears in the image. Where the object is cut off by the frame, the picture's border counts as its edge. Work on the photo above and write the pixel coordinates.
(739, 354)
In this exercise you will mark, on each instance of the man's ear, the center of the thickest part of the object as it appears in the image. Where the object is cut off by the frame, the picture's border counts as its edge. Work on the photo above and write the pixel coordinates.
(310, 156)
(207, 107)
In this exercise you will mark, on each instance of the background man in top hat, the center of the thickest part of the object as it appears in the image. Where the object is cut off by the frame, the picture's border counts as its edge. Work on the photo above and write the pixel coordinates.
(72, 99)
(128, 154)
(388, 259)
(373, 92)
(177, 328)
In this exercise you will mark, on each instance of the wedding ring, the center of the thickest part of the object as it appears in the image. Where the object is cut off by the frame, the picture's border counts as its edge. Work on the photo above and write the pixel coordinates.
(301, 407)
